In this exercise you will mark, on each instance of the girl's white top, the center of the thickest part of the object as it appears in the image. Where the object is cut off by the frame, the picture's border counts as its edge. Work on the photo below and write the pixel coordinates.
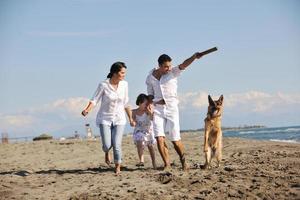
(112, 103)
(143, 124)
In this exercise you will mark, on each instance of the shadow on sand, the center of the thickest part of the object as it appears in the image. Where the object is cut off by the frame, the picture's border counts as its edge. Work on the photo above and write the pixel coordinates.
(95, 170)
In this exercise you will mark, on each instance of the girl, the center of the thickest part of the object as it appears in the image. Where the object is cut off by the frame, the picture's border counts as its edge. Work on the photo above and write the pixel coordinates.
(143, 131)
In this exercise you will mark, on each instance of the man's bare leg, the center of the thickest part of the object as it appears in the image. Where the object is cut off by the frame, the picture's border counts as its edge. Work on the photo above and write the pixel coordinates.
(163, 150)
(180, 151)
(152, 154)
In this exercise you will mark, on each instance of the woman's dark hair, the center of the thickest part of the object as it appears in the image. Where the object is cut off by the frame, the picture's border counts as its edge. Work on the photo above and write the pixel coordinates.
(141, 98)
(115, 68)
(164, 58)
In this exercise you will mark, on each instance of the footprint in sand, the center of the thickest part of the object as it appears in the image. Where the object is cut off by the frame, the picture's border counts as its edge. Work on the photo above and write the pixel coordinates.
(165, 177)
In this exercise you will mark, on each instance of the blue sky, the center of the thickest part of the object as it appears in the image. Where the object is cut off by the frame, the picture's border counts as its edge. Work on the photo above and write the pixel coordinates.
(54, 53)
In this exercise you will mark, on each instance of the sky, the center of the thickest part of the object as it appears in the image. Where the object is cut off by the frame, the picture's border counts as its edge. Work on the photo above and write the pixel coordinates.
(54, 53)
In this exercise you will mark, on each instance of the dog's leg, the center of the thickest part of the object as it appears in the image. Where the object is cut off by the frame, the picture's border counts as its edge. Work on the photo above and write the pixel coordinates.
(207, 158)
(206, 149)
(219, 151)
(206, 133)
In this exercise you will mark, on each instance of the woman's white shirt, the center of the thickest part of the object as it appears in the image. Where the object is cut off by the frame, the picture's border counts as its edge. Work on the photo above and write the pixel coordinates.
(112, 103)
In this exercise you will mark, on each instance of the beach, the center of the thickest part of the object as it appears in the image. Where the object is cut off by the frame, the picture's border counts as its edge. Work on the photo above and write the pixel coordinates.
(75, 169)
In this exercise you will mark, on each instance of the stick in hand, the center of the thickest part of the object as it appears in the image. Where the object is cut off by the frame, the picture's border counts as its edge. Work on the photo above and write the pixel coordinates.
(206, 52)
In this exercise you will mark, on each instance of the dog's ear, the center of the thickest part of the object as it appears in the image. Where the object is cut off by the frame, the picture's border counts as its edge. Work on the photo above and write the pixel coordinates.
(210, 101)
(221, 99)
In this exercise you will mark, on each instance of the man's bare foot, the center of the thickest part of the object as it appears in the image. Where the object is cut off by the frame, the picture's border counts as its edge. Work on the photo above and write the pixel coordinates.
(167, 168)
(140, 164)
(185, 166)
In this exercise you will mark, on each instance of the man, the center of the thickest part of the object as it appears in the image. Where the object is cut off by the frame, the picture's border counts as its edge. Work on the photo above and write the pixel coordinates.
(162, 86)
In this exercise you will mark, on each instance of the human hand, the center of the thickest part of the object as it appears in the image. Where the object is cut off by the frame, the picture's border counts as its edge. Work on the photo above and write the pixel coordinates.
(149, 109)
(198, 55)
(84, 113)
(132, 123)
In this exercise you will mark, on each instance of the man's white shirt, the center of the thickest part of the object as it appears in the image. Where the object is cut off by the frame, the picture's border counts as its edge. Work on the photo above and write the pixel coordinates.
(165, 88)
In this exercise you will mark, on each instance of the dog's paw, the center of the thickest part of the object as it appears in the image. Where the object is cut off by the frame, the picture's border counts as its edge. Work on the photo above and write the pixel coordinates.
(205, 166)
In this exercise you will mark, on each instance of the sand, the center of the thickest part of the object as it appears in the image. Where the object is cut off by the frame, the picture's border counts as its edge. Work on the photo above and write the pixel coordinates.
(75, 169)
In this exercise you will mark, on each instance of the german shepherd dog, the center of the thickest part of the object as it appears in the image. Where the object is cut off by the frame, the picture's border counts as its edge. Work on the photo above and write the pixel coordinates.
(213, 132)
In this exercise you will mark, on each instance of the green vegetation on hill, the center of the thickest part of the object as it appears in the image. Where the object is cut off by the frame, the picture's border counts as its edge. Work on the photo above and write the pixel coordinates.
(43, 137)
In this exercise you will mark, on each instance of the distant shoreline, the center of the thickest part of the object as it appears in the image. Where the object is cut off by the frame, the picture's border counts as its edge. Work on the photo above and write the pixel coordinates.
(245, 127)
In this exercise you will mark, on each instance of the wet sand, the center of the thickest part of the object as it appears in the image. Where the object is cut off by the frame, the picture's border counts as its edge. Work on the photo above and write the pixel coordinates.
(75, 169)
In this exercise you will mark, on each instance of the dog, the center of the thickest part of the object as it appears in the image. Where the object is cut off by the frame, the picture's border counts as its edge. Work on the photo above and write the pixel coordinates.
(213, 132)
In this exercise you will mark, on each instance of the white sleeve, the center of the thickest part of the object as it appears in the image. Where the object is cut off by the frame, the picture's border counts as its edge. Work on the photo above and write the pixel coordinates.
(126, 99)
(176, 71)
(97, 95)
(150, 89)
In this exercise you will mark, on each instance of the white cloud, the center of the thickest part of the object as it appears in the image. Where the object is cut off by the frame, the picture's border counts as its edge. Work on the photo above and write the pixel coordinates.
(17, 125)
(18, 120)
(48, 117)
(69, 106)
(196, 100)
(252, 101)
(261, 102)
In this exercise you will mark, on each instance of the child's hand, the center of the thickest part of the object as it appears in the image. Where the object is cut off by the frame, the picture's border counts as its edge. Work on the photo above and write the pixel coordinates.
(149, 109)
(132, 123)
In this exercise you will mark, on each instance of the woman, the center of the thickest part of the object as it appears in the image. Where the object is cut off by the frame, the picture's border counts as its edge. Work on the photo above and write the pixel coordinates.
(113, 97)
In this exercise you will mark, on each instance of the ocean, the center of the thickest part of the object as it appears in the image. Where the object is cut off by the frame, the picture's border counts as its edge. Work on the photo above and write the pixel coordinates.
(289, 134)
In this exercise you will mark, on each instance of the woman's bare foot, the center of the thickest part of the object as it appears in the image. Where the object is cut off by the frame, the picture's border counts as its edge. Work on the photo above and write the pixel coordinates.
(118, 169)
(154, 165)
(107, 159)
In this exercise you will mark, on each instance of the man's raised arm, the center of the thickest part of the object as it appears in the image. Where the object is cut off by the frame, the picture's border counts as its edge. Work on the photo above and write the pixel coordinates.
(196, 55)
(189, 61)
